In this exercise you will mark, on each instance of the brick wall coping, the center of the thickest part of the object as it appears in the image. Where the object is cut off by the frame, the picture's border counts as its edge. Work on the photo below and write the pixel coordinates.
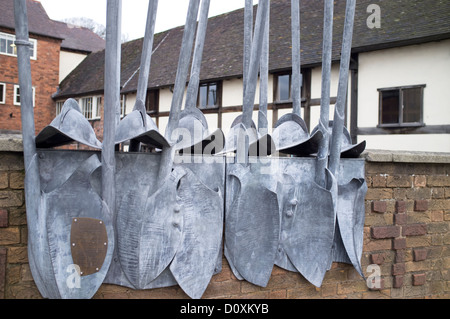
(12, 142)
(384, 156)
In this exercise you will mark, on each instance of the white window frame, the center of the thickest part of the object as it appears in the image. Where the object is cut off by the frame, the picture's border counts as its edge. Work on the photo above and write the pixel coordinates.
(16, 86)
(123, 105)
(12, 37)
(59, 106)
(95, 109)
(3, 101)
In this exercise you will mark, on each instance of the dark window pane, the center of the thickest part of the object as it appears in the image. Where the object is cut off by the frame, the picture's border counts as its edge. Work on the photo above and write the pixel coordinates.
(284, 86)
(203, 96)
(151, 105)
(212, 95)
(390, 101)
(3, 45)
(10, 46)
(2, 97)
(412, 101)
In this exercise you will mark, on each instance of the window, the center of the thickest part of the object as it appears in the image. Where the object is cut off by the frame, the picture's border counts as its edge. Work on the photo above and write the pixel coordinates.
(2, 93)
(8, 47)
(208, 95)
(123, 105)
(17, 95)
(59, 106)
(98, 105)
(90, 107)
(402, 106)
(283, 92)
(87, 107)
(151, 103)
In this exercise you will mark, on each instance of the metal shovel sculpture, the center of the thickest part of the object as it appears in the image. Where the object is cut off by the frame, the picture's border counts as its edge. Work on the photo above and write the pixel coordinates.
(252, 219)
(310, 239)
(70, 243)
(148, 221)
(169, 230)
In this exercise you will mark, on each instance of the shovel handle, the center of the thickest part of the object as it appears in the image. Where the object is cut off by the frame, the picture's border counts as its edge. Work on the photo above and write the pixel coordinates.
(338, 122)
(322, 154)
(264, 78)
(168, 153)
(253, 68)
(147, 46)
(248, 30)
(24, 65)
(194, 82)
(112, 99)
(296, 64)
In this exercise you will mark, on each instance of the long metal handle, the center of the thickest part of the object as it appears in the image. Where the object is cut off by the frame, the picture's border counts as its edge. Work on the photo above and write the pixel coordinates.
(248, 30)
(296, 65)
(168, 153)
(147, 46)
(194, 82)
(144, 69)
(183, 67)
(264, 78)
(112, 99)
(339, 111)
(255, 57)
(26, 95)
(322, 155)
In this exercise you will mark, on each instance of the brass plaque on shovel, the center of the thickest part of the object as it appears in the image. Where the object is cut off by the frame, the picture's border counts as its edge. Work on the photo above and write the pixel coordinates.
(89, 243)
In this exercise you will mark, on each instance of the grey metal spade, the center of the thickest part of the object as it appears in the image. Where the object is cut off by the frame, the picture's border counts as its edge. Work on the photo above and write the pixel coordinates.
(51, 216)
(290, 133)
(252, 218)
(251, 225)
(80, 234)
(162, 237)
(309, 231)
(350, 211)
(138, 127)
(192, 121)
(339, 208)
(69, 126)
(139, 245)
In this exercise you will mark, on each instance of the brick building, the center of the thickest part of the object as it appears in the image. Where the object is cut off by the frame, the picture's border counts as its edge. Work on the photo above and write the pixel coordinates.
(57, 49)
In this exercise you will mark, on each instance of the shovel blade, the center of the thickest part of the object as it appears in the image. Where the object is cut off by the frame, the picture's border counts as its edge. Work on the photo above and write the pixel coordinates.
(251, 228)
(350, 222)
(65, 210)
(195, 261)
(310, 234)
(149, 231)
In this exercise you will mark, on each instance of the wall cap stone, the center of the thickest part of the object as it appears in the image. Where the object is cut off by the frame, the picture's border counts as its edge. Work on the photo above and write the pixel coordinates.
(385, 156)
(11, 142)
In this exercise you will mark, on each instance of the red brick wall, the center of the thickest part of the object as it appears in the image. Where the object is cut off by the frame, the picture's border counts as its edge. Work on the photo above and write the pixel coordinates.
(406, 237)
(45, 79)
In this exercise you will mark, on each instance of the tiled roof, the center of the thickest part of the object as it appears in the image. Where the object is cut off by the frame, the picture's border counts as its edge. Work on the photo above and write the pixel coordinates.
(79, 38)
(38, 21)
(402, 22)
(73, 38)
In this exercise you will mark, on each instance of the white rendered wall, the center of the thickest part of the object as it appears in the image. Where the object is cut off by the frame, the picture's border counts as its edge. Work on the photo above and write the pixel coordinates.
(427, 64)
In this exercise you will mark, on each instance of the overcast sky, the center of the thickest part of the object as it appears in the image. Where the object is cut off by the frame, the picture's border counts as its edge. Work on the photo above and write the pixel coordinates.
(171, 13)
